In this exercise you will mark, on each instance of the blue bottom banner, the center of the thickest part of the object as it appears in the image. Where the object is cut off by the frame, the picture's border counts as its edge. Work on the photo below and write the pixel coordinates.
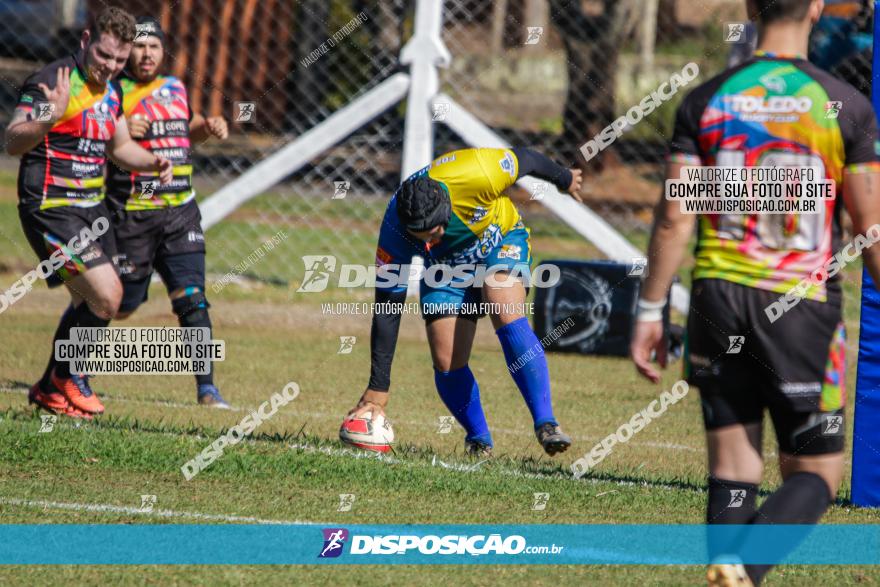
(435, 544)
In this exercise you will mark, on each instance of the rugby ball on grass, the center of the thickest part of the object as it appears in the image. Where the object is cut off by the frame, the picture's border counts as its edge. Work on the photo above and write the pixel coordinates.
(370, 432)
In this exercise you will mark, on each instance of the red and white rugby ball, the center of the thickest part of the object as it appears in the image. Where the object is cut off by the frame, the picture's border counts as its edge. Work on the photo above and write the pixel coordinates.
(370, 432)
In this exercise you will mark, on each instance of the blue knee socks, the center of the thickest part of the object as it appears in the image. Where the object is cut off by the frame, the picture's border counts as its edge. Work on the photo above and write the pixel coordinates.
(527, 364)
(459, 391)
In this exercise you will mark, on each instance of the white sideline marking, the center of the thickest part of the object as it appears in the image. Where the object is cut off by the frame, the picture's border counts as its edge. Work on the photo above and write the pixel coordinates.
(507, 431)
(118, 509)
(470, 468)
(360, 454)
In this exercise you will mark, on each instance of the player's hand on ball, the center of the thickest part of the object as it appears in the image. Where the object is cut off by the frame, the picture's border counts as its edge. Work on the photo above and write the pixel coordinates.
(648, 337)
(217, 127)
(576, 181)
(371, 401)
(165, 169)
(138, 125)
(366, 426)
(364, 408)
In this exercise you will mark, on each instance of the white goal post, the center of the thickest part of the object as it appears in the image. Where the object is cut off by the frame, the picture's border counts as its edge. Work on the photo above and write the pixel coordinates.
(423, 54)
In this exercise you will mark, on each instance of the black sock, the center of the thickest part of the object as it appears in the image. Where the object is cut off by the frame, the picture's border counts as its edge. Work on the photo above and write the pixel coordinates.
(730, 502)
(802, 499)
(83, 317)
(192, 312)
(68, 318)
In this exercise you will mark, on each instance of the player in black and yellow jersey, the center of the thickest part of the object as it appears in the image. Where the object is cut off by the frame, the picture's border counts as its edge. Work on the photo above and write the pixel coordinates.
(67, 123)
(745, 354)
(158, 227)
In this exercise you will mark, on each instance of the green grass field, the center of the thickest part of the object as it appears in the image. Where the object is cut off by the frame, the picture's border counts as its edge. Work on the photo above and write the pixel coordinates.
(293, 468)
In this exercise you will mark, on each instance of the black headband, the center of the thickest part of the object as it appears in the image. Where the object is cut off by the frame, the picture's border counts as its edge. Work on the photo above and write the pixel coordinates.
(147, 26)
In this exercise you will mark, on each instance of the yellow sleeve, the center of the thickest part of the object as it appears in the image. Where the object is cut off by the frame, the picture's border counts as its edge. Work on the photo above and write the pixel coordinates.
(480, 175)
(500, 168)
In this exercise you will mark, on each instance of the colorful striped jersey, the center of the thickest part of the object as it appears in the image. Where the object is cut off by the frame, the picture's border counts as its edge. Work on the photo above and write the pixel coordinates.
(164, 103)
(774, 111)
(67, 167)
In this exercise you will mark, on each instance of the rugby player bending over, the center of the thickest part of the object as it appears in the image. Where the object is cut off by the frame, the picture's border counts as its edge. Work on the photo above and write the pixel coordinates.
(454, 213)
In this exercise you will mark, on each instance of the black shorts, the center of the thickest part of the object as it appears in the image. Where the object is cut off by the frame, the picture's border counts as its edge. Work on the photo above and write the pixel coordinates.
(743, 363)
(168, 240)
(58, 228)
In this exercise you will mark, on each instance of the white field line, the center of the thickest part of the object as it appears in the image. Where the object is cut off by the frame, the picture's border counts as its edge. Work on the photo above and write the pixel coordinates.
(435, 462)
(414, 423)
(117, 509)
(469, 467)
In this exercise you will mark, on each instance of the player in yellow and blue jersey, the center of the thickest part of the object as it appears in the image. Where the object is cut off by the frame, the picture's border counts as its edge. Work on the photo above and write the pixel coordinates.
(455, 215)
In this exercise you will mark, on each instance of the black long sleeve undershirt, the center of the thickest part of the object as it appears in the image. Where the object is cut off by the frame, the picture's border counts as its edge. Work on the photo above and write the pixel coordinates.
(383, 337)
(540, 166)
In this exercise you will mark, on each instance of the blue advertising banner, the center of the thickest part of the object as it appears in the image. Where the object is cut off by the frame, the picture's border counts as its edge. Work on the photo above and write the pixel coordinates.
(175, 544)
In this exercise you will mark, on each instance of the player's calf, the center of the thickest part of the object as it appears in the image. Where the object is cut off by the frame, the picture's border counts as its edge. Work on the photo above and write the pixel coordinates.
(100, 289)
(461, 394)
(191, 307)
(527, 365)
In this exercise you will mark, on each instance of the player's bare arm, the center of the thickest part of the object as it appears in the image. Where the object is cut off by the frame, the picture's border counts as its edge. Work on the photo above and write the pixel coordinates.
(576, 181)
(861, 196)
(202, 128)
(669, 238)
(24, 132)
(129, 155)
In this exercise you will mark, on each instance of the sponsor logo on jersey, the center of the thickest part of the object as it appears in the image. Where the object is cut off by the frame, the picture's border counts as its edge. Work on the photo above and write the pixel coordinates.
(100, 112)
(507, 165)
(832, 108)
(166, 127)
(478, 251)
(444, 159)
(85, 169)
(798, 388)
(126, 267)
(171, 153)
(510, 252)
(91, 146)
(773, 109)
(774, 83)
(90, 254)
(772, 105)
(163, 96)
(479, 213)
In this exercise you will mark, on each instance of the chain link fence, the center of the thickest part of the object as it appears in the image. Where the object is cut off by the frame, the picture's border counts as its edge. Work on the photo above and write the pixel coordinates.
(550, 74)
